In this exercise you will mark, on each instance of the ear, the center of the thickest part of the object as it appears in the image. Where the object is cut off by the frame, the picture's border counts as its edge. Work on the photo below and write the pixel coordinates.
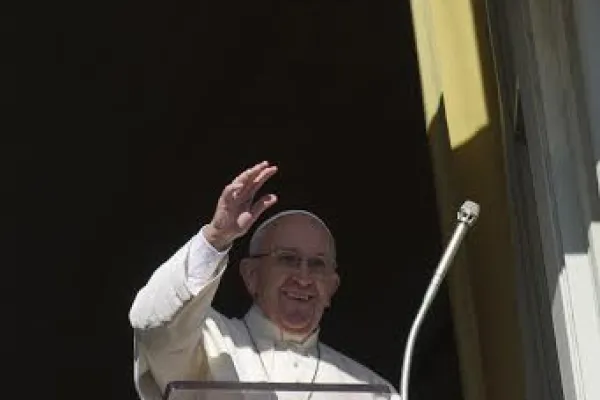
(249, 275)
(333, 284)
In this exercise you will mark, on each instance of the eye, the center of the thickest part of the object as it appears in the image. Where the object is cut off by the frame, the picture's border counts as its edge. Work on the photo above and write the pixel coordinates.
(317, 263)
(289, 259)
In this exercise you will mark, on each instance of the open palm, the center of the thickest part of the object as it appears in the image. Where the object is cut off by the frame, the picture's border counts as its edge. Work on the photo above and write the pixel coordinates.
(236, 209)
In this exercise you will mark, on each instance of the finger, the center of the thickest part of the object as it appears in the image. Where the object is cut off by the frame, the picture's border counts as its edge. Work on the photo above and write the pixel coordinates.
(262, 205)
(232, 191)
(259, 180)
(264, 175)
(251, 172)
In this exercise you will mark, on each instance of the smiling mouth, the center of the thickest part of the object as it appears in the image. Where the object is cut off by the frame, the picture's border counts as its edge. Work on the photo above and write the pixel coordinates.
(298, 296)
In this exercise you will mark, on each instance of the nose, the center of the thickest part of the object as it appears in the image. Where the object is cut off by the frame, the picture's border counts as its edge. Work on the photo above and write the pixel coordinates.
(303, 273)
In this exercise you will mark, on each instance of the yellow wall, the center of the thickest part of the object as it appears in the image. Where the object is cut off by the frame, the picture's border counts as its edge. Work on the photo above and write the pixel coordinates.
(461, 109)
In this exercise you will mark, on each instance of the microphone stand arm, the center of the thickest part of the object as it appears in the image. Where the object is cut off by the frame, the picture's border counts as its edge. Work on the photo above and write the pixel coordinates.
(466, 216)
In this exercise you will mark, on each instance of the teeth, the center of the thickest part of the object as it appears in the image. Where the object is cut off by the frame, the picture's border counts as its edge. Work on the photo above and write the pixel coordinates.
(298, 296)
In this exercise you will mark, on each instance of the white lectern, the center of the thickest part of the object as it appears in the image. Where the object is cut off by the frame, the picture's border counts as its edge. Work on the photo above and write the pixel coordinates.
(197, 390)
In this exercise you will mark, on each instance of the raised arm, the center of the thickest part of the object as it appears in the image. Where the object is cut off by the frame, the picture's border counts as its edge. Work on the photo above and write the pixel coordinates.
(185, 279)
(196, 264)
(167, 312)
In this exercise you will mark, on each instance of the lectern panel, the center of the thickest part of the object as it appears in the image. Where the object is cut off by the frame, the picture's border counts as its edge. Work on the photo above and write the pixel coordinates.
(186, 390)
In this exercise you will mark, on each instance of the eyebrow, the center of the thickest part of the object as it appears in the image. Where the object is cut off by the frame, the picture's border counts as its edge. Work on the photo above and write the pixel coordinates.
(295, 249)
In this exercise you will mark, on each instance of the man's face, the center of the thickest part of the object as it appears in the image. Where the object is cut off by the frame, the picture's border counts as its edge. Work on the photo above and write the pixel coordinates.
(293, 277)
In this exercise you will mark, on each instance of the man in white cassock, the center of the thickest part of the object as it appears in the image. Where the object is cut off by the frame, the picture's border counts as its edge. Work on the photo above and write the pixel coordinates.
(290, 273)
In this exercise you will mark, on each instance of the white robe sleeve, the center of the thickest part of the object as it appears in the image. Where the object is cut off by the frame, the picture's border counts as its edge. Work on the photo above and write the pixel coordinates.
(168, 311)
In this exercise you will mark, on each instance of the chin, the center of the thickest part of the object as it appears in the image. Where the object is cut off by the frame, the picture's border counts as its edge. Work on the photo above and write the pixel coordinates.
(299, 327)
(298, 330)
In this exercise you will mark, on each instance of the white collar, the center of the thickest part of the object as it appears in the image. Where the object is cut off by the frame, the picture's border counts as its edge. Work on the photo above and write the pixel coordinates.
(265, 332)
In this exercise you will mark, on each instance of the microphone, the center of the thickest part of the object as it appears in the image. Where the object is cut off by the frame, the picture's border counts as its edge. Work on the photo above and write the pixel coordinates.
(467, 215)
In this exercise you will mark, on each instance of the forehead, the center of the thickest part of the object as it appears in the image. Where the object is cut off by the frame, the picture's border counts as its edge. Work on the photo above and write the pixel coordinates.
(299, 232)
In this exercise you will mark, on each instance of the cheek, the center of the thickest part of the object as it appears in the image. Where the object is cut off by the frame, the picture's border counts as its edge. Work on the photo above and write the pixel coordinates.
(271, 282)
(326, 291)
(324, 294)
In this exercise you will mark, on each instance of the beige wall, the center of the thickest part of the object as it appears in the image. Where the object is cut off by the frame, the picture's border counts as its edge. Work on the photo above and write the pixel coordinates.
(462, 116)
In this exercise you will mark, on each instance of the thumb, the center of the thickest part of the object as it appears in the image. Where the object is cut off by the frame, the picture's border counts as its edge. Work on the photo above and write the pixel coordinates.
(247, 218)
(262, 205)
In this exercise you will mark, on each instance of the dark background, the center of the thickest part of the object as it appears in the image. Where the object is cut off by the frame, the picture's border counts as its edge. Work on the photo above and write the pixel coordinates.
(142, 111)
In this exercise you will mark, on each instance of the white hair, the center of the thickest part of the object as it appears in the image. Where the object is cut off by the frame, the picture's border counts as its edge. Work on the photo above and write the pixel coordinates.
(258, 234)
